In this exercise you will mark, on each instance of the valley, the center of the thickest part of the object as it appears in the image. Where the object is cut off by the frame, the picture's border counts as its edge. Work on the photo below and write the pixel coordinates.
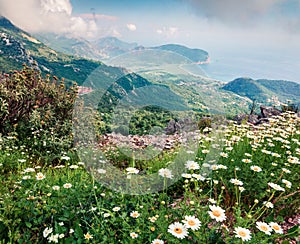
(108, 141)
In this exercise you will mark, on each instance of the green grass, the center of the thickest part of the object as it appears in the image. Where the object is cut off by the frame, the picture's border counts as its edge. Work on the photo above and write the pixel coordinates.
(28, 206)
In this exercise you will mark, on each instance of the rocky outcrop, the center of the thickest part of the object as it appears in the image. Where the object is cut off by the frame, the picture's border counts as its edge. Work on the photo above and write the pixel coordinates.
(263, 117)
(171, 127)
(268, 112)
(186, 124)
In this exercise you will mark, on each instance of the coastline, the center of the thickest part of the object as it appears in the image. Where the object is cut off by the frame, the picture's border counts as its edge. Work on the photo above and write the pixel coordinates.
(207, 61)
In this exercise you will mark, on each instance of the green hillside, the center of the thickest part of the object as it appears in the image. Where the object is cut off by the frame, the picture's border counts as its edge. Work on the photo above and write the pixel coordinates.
(110, 47)
(195, 55)
(168, 74)
(284, 89)
(247, 87)
(184, 78)
(263, 90)
(18, 47)
(73, 46)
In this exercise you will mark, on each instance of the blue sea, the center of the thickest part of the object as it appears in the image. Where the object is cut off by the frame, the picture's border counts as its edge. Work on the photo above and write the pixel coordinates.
(261, 65)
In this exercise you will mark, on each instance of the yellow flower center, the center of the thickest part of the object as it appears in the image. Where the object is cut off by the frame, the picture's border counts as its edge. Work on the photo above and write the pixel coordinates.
(275, 227)
(178, 230)
(242, 233)
(216, 213)
(191, 222)
(264, 228)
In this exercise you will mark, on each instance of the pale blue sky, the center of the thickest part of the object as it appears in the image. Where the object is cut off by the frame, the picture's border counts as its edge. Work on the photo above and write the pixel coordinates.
(264, 23)
(197, 23)
(264, 30)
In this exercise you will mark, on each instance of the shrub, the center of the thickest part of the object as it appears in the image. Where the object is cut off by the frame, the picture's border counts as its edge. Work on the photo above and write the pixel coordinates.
(204, 123)
(37, 109)
(290, 107)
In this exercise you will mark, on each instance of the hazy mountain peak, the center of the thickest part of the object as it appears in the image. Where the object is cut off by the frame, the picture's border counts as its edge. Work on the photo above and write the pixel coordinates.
(7, 24)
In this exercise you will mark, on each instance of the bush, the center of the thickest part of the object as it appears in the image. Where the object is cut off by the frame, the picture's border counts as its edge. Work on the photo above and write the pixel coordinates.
(38, 110)
(290, 107)
(204, 123)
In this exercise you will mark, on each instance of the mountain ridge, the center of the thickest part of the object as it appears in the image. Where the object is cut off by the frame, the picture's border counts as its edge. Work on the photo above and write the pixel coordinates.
(18, 47)
(168, 74)
(110, 47)
(263, 90)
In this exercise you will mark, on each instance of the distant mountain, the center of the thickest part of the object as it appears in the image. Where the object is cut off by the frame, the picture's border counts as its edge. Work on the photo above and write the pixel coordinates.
(166, 78)
(73, 46)
(5, 23)
(195, 55)
(18, 47)
(264, 90)
(101, 49)
(111, 47)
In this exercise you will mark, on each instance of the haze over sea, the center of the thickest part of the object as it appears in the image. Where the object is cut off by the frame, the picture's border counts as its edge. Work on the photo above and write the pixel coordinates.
(227, 66)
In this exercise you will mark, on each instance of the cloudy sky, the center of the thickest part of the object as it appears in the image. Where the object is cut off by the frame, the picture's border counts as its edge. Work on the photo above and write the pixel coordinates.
(194, 22)
(227, 25)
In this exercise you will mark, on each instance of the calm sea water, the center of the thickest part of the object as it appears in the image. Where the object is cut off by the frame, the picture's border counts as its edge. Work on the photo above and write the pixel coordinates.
(263, 65)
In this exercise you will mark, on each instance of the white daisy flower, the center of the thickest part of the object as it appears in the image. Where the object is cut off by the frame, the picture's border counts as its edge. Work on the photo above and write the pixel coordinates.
(131, 170)
(191, 222)
(268, 204)
(47, 232)
(157, 241)
(166, 173)
(256, 168)
(187, 176)
(74, 166)
(67, 185)
(198, 177)
(116, 209)
(178, 230)
(276, 227)
(264, 227)
(65, 158)
(217, 213)
(192, 165)
(242, 233)
(134, 214)
(287, 183)
(40, 176)
(133, 235)
(29, 170)
(236, 182)
(275, 186)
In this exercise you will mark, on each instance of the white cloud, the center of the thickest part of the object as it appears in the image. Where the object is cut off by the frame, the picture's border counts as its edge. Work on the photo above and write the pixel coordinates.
(168, 32)
(235, 11)
(56, 6)
(47, 16)
(101, 17)
(115, 33)
(131, 27)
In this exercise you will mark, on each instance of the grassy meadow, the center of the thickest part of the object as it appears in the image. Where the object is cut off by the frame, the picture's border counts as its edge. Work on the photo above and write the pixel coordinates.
(244, 193)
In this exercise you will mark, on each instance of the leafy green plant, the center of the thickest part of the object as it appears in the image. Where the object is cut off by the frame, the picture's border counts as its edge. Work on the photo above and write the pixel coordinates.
(37, 109)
